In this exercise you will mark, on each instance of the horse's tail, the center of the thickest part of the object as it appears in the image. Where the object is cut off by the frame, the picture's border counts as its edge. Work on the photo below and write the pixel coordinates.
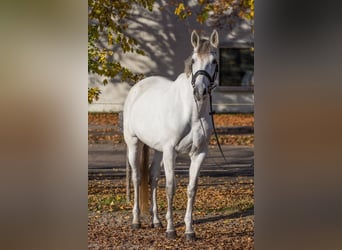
(144, 174)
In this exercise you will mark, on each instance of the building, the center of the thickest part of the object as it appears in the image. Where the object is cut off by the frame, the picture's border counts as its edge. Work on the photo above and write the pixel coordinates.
(166, 42)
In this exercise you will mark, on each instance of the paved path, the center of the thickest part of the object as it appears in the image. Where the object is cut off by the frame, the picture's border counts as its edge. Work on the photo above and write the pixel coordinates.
(109, 161)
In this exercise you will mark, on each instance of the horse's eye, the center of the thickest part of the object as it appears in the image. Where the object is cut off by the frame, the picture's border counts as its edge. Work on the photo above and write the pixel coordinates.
(192, 61)
(214, 61)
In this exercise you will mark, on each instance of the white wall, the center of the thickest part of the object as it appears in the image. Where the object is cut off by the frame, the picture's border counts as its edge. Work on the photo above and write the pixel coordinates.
(166, 41)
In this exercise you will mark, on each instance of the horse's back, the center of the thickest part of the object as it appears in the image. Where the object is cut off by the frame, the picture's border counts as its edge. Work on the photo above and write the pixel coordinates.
(151, 85)
(156, 82)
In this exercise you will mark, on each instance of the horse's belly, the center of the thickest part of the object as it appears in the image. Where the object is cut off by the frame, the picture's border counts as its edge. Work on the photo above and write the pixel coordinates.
(155, 130)
(157, 134)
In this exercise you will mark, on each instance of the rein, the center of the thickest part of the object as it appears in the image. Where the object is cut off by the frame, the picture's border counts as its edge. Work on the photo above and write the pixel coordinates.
(211, 113)
(211, 87)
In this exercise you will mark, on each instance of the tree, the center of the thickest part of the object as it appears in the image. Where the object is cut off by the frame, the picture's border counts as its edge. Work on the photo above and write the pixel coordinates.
(107, 28)
(108, 25)
(215, 9)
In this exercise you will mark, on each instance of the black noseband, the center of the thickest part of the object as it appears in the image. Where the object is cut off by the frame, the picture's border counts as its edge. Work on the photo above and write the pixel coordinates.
(206, 74)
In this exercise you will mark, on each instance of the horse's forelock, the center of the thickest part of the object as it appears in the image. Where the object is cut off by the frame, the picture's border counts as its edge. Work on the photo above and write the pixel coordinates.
(202, 50)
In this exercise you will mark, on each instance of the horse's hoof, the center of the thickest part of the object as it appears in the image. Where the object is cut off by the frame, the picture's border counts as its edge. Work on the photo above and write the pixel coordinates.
(190, 236)
(136, 226)
(171, 235)
(157, 225)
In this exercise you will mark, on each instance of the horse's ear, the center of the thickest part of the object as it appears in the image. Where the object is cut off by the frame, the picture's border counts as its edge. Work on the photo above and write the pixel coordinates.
(214, 39)
(194, 39)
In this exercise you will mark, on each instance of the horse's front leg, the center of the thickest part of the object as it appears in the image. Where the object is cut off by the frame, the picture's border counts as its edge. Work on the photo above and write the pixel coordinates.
(169, 157)
(196, 162)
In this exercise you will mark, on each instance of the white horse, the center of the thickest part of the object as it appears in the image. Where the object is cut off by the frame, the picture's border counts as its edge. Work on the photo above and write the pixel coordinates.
(170, 117)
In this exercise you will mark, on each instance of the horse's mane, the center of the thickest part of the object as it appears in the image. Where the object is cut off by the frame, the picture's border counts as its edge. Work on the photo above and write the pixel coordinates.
(203, 49)
(187, 68)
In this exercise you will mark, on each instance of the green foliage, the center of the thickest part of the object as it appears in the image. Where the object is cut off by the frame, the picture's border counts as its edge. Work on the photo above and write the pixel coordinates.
(93, 94)
(241, 8)
(107, 27)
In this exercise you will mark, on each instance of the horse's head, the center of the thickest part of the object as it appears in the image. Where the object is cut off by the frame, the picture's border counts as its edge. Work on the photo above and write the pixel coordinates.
(204, 66)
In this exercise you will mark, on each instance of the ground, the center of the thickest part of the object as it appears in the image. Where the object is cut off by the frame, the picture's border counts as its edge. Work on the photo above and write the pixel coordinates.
(223, 216)
(223, 211)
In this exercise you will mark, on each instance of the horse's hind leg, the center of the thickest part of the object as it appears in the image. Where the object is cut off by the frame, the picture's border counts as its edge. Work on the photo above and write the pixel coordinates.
(134, 148)
(154, 178)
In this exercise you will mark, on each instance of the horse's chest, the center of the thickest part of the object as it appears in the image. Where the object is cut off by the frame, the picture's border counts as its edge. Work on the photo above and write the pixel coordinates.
(194, 139)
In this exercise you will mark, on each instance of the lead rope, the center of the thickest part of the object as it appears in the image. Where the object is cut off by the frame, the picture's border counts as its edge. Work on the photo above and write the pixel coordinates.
(211, 113)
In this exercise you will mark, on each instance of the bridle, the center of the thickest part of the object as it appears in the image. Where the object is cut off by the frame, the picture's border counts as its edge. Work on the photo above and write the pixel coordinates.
(206, 74)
